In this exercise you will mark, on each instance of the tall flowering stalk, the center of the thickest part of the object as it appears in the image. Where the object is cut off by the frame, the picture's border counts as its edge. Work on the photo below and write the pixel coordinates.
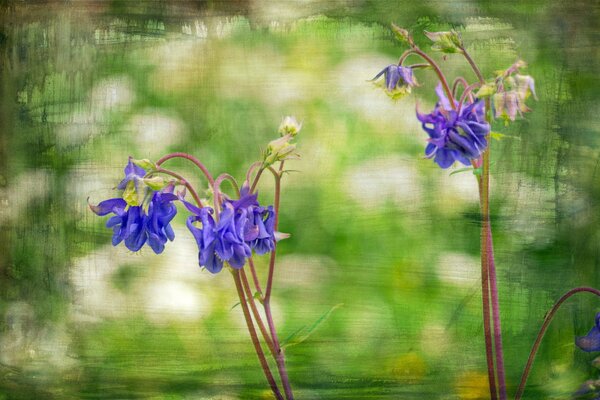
(459, 131)
(228, 230)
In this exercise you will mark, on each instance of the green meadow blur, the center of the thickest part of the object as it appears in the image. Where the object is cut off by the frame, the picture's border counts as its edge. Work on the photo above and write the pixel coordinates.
(374, 225)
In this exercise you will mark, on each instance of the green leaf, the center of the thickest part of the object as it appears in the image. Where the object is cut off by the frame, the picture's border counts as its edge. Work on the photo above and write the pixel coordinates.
(304, 332)
(500, 136)
(458, 171)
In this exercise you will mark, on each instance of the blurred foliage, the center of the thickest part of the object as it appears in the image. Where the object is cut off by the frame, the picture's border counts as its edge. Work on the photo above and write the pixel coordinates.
(374, 226)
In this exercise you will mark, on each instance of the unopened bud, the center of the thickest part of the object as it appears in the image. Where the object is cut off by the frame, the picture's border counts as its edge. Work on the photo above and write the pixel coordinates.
(289, 126)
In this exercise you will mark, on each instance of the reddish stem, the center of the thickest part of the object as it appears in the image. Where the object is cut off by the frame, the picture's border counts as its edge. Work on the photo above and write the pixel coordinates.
(188, 186)
(257, 317)
(542, 332)
(254, 337)
(192, 159)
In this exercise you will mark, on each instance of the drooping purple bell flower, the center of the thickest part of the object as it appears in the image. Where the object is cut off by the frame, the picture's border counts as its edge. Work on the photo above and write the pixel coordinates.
(161, 211)
(242, 226)
(591, 341)
(398, 79)
(137, 224)
(455, 135)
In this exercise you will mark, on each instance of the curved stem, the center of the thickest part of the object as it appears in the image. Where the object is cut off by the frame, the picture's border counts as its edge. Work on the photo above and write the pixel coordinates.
(188, 186)
(254, 337)
(249, 174)
(542, 332)
(217, 188)
(439, 73)
(256, 179)
(457, 81)
(465, 93)
(192, 159)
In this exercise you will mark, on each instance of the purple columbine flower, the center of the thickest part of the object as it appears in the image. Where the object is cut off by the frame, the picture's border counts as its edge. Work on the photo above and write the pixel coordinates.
(132, 173)
(161, 211)
(455, 135)
(136, 225)
(242, 226)
(591, 341)
(397, 77)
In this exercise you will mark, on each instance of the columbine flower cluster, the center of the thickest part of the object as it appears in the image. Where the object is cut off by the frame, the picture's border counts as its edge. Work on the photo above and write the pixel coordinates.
(226, 235)
(146, 207)
(455, 134)
(458, 129)
(242, 226)
(136, 223)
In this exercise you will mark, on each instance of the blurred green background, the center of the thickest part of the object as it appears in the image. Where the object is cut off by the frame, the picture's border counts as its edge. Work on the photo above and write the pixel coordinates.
(374, 225)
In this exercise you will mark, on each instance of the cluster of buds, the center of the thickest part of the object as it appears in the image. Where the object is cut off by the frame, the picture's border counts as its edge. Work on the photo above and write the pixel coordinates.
(283, 149)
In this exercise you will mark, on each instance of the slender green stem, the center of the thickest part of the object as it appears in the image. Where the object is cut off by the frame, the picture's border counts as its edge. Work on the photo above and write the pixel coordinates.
(542, 332)
(254, 337)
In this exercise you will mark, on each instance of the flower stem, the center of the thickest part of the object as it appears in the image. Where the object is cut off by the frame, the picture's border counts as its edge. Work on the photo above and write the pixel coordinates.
(253, 336)
(255, 313)
(184, 181)
(279, 356)
(542, 332)
(192, 159)
(255, 276)
(487, 249)
(438, 71)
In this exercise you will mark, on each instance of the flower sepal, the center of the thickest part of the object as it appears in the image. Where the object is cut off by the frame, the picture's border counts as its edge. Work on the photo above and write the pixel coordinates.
(145, 164)
(447, 42)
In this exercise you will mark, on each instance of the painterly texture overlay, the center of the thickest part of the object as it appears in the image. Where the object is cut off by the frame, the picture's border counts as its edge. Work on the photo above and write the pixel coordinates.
(374, 225)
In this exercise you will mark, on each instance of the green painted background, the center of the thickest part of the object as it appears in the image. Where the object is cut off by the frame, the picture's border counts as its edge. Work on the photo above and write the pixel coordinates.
(374, 225)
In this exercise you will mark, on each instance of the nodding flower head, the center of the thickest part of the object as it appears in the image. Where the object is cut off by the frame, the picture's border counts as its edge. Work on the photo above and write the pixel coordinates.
(132, 173)
(512, 91)
(136, 225)
(455, 135)
(398, 79)
(591, 341)
(242, 226)
(139, 218)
